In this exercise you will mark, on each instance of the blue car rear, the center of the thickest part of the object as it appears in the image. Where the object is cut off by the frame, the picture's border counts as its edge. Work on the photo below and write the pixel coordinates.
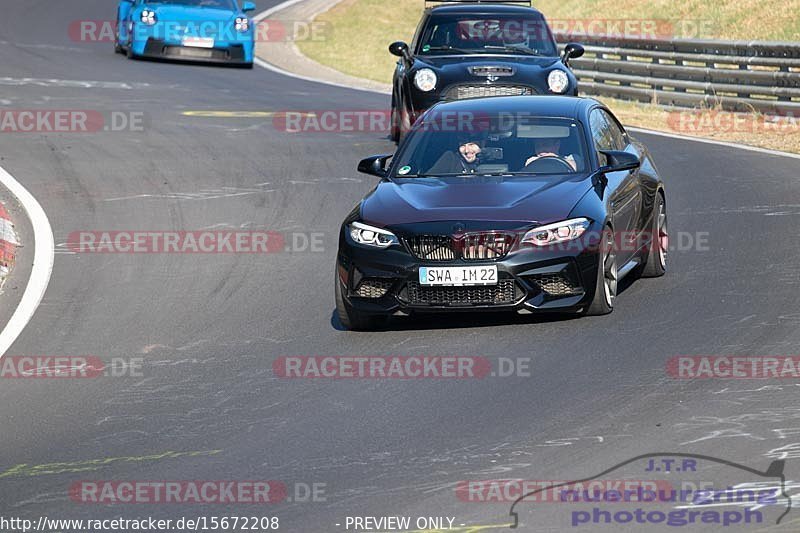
(215, 31)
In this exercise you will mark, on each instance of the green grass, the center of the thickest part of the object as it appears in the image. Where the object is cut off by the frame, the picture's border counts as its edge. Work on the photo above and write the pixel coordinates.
(363, 29)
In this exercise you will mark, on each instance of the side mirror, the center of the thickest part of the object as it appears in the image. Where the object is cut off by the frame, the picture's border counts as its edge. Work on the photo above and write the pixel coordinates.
(400, 49)
(248, 6)
(374, 165)
(572, 51)
(617, 160)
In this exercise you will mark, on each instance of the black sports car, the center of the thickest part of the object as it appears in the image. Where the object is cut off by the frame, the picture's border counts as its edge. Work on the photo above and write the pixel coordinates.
(473, 50)
(511, 203)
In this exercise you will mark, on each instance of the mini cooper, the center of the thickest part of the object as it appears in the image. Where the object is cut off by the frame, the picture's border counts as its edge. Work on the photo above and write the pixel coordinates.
(465, 49)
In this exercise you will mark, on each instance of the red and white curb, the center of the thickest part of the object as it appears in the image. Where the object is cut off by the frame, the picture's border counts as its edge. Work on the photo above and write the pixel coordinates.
(8, 244)
(42, 268)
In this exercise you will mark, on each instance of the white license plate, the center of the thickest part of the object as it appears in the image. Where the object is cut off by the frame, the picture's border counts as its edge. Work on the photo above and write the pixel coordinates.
(458, 276)
(198, 42)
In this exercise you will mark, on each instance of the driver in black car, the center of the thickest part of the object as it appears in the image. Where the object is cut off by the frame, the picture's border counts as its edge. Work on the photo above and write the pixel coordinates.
(464, 161)
(551, 148)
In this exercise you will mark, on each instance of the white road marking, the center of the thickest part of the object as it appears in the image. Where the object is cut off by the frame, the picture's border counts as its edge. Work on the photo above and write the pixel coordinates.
(274, 9)
(73, 84)
(714, 141)
(43, 257)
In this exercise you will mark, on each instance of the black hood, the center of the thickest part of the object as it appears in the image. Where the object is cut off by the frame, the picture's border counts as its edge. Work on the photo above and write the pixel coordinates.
(534, 200)
(457, 69)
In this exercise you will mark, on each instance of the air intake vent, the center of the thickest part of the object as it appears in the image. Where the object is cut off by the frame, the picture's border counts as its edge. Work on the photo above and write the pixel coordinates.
(492, 71)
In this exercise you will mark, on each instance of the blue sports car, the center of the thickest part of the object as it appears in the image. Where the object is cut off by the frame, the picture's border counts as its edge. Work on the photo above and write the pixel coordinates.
(216, 31)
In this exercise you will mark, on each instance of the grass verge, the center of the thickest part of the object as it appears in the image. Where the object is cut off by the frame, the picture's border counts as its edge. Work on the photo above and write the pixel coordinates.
(362, 30)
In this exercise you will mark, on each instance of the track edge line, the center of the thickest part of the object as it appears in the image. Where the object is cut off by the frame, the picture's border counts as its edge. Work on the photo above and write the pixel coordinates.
(43, 259)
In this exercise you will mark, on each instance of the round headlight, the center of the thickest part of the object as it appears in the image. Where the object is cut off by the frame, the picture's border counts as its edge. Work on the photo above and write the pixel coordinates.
(558, 81)
(425, 80)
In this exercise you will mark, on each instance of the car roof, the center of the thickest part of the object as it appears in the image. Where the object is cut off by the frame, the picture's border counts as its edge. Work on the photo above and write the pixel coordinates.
(483, 9)
(545, 106)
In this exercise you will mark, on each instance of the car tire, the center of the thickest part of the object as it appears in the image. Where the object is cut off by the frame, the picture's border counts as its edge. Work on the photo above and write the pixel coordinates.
(117, 48)
(605, 291)
(129, 51)
(351, 318)
(656, 258)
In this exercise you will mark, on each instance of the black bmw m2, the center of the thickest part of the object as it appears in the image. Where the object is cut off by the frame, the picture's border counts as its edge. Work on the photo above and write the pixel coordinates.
(527, 204)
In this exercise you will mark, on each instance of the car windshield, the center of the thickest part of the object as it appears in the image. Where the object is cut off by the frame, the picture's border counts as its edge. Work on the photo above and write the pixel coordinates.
(458, 143)
(216, 4)
(487, 34)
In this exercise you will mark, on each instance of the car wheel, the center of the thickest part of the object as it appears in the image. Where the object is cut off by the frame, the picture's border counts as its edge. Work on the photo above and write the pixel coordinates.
(129, 51)
(656, 258)
(351, 318)
(117, 48)
(605, 292)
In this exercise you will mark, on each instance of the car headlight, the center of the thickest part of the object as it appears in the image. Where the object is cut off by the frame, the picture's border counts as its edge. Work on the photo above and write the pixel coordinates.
(371, 236)
(425, 80)
(558, 232)
(148, 17)
(242, 24)
(558, 81)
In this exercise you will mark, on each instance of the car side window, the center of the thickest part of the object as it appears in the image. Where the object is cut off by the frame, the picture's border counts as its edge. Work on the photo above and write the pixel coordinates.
(617, 134)
(601, 134)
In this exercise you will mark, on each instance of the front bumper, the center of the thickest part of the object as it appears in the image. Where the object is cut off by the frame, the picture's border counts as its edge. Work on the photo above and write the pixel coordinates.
(238, 53)
(386, 281)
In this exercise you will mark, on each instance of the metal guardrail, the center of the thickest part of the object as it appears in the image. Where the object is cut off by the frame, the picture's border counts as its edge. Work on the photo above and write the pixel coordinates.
(736, 75)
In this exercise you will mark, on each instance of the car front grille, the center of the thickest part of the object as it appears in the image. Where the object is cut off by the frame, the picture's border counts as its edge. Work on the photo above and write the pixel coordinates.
(433, 247)
(504, 293)
(463, 92)
(480, 246)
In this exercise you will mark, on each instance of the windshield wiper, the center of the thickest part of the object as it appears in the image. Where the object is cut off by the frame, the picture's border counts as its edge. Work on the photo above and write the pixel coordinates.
(449, 49)
(526, 51)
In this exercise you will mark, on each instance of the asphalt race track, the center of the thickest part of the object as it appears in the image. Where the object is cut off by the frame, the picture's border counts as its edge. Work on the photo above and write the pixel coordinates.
(210, 326)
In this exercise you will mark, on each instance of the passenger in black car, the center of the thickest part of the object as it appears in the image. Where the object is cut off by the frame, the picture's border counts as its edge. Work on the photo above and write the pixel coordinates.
(462, 161)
